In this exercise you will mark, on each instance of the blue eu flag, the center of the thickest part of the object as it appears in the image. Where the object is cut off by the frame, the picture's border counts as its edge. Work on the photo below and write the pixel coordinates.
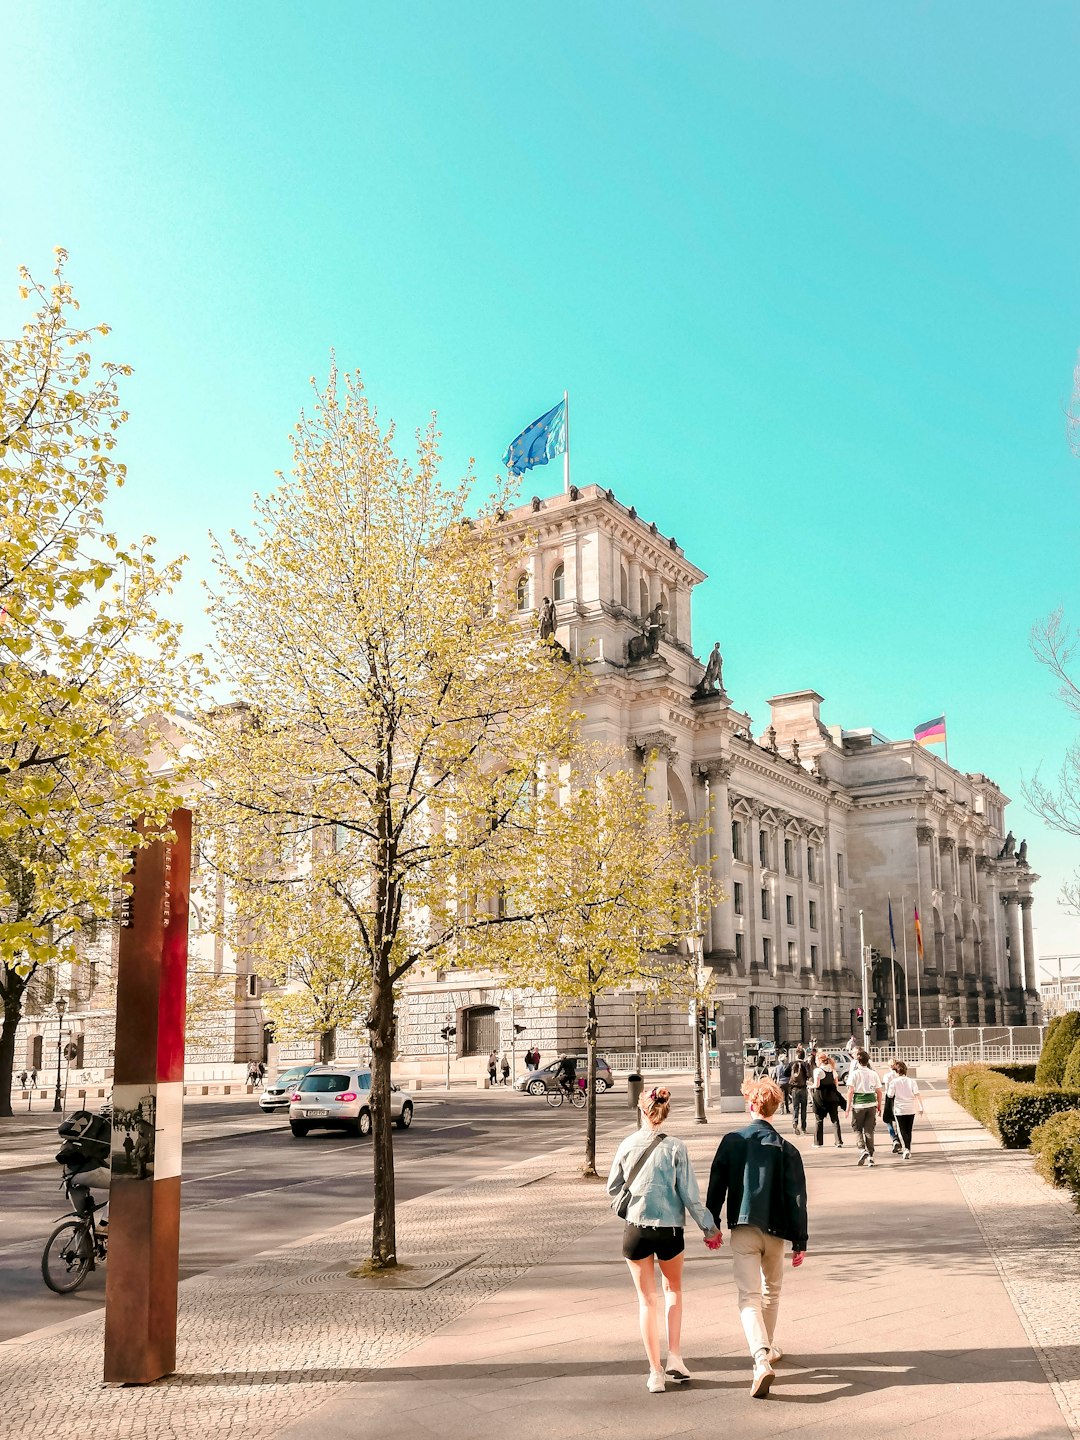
(540, 442)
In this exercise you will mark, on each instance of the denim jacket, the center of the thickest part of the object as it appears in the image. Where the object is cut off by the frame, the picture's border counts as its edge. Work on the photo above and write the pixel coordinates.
(664, 1188)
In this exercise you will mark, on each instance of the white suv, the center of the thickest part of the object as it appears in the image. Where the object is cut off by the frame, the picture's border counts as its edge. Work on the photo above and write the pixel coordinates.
(338, 1097)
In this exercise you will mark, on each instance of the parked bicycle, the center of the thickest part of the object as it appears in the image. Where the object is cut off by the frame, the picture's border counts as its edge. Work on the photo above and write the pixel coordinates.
(78, 1243)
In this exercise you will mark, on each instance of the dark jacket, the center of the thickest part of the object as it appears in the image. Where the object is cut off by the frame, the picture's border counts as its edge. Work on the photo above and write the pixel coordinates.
(760, 1174)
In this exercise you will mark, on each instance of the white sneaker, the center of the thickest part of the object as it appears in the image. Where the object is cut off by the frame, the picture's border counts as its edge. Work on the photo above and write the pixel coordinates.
(907, 1154)
(764, 1375)
(655, 1382)
(864, 1157)
(775, 1354)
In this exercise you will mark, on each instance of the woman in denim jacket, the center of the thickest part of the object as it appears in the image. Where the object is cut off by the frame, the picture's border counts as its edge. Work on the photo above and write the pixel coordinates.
(663, 1189)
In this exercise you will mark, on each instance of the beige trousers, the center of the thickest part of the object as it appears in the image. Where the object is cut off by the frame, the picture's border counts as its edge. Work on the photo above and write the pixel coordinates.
(759, 1273)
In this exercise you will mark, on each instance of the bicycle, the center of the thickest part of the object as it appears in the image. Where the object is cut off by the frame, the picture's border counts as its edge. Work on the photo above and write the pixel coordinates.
(576, 1096)
(77, 1244)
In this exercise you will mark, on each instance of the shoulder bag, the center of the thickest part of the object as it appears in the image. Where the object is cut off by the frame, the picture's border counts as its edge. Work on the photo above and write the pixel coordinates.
(621, 1203)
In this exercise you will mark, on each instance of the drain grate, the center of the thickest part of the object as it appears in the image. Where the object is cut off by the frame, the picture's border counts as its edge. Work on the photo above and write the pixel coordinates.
(417, 1272)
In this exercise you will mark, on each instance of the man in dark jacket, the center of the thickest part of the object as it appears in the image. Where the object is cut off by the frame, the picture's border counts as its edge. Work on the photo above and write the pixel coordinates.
(760, 1175)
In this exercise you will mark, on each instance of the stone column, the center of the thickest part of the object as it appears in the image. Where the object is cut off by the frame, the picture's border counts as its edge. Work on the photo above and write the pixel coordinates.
(753, 922)
(657, 751)
(994, 964)
(715, 774)
(1031, 982)
(1011, 902)
(953, 962)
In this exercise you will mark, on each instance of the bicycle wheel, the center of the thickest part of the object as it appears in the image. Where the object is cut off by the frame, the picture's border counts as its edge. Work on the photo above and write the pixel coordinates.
(554, 1098)
(577, 1099)
(68, 1256)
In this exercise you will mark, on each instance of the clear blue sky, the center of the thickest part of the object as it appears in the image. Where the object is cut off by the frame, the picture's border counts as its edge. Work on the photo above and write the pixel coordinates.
(808, 271)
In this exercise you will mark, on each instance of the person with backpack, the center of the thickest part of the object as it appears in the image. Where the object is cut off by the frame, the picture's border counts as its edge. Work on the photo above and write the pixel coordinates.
(827, 1098)
(903, 1090)
(798, 1087)
(761, 1177)
(652, 1185)
(865, 1099)
(504, 1066)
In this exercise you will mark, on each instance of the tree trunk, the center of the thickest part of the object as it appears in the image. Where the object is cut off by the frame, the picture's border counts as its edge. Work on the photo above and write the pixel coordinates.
(592, 1027)
(383, 1225)
(14, 986)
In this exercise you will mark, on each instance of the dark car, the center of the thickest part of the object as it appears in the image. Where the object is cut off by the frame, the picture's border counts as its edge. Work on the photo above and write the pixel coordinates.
(547, 1077)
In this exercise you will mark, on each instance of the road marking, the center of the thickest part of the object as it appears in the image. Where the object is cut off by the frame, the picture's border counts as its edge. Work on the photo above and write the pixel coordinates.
(195, 1179)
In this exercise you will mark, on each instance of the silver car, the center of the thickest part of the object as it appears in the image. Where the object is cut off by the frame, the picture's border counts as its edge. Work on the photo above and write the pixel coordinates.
(338, 1097)
(278, 1094)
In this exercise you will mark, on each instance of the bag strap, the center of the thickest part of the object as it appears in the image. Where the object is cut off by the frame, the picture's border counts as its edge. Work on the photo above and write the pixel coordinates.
(640, 1161)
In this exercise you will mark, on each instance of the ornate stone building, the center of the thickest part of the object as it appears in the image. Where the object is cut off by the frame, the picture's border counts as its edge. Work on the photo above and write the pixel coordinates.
(810, 824)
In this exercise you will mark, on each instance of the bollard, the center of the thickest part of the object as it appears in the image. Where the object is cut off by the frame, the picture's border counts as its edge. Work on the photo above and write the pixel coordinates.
(634, 1086)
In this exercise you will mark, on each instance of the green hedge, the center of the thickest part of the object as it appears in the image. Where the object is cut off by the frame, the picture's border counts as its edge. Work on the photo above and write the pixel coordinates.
(1071, 1078)
(1055, 1145)
(1061, 1035)
(1008, 1109)
(1017, 1071)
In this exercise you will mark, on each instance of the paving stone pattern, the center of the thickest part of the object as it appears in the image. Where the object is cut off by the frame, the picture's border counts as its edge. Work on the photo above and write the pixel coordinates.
(1033, 1234)
(242, 1328)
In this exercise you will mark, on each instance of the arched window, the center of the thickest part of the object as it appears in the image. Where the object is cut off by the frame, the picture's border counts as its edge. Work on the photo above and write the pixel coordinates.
(643, 596)
(669, 614)
(523, 592)
(558, 583)
(624, 588)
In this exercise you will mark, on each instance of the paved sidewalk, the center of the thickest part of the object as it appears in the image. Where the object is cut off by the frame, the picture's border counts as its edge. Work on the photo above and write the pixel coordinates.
(900, 1323)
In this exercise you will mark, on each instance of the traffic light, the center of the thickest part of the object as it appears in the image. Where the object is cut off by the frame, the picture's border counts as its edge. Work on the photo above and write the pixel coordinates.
(519, 1029)
(858, 1013)
(448, 1032)
(702, 1021)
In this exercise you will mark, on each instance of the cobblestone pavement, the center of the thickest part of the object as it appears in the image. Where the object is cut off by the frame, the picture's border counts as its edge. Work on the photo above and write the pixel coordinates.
(242, 1328)
(1033, 1234)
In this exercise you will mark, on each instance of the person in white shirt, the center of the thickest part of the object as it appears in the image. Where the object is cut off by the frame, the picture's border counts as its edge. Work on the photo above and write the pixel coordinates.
(864, 1098)
(903, 1090)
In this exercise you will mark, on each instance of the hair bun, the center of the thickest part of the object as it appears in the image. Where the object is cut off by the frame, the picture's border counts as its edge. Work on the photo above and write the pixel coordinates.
(662, 1095)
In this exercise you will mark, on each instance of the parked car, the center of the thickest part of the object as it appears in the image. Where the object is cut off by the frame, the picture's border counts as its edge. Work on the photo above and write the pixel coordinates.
(547, 1077)
(278, 1093)
(337, 1097)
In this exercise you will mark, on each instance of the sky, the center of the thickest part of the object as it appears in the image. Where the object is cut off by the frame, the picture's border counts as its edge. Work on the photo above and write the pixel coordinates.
(809, 274)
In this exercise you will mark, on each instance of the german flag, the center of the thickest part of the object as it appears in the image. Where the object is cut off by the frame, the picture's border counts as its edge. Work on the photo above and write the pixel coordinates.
(918, 935)
(932, 732)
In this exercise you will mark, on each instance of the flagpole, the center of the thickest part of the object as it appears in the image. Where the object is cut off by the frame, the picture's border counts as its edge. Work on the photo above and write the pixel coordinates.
(945, 720)
(566, 448)
(920, 960)
(892, 971)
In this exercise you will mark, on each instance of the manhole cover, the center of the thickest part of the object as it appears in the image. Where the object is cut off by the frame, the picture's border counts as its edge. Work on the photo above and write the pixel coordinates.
(417, 1272)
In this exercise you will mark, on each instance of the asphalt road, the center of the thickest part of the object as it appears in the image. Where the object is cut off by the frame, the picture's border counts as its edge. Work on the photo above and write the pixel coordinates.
(251, 1192)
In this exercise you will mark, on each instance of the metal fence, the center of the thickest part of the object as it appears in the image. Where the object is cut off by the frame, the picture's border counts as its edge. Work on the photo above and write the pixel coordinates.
(955, 1054)
(624, 1061)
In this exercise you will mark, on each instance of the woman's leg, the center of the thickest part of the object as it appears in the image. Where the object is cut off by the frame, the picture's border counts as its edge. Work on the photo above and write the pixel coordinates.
(819, 1123)
(834, 1116)
(671, 1270)
(645, 1284)
(906, 1124)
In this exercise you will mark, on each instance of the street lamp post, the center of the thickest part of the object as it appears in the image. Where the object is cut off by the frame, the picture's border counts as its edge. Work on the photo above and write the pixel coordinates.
(61, 1006)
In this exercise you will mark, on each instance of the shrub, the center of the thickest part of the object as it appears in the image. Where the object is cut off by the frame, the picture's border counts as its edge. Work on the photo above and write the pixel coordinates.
(1055, 1145)
(1061, 1035)
(1071, 1078)
(1016, 1071)
(1008, 1109)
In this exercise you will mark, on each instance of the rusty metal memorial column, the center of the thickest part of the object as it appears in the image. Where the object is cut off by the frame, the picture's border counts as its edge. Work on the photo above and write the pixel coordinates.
(147, 1109)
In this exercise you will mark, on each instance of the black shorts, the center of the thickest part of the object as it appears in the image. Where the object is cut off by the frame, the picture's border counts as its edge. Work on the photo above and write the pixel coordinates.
(642, 1241)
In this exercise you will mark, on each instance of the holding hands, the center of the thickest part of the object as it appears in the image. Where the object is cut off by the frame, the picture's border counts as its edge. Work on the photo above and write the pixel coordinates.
(713, 1239)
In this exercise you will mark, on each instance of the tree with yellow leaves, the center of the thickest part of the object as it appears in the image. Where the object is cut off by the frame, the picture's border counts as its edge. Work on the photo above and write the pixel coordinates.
(392, 712)
(84, 654)
(611, 890)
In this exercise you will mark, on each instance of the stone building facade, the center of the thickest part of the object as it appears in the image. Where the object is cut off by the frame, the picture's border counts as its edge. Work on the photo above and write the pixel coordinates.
(810, 825)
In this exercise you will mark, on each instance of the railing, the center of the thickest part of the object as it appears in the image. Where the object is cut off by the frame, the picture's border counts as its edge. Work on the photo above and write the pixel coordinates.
(955, 1054)
(624, 1061)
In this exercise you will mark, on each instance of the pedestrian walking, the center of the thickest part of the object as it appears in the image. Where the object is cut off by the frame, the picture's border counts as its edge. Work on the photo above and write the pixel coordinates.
(22, 1080)
(493, 1068)
(33, 1079)
(798, 1086)
(827, 1098)
(864, 1098)
(504, 1066)
(903, 1090)
(761, 1176)
(783, 1076)
(653, 1185)
(528, 1060)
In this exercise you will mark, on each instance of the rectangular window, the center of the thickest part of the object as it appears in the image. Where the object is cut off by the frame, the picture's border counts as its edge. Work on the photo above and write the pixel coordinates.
(810, 862)
(764, 904)
(253, 987)
(840, 870)
(738, 898)
(789, 905)
(843, 948)
(738, 946)
(736, 840)
(789, 858)
(766, 951)
(814, 958)
(763, 848)
(791, 957)
(813, 914)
